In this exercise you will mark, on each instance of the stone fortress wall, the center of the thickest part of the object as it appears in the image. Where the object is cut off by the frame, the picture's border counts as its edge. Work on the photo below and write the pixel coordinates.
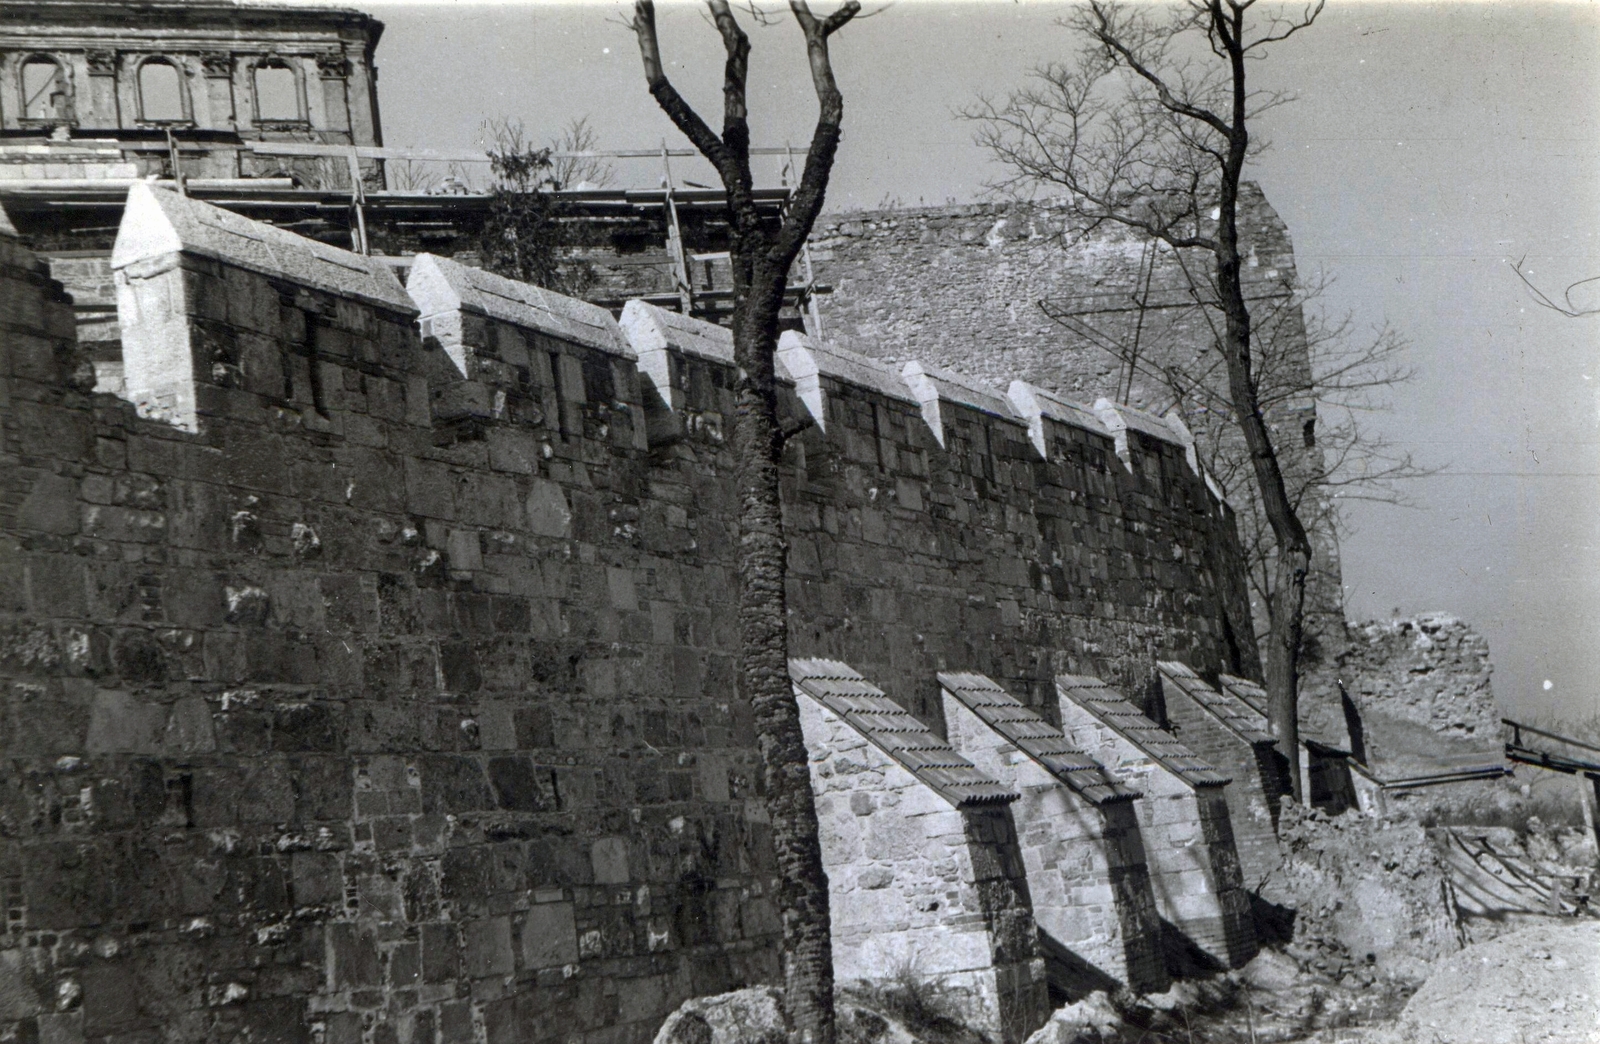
(364, 684)
(962, 286)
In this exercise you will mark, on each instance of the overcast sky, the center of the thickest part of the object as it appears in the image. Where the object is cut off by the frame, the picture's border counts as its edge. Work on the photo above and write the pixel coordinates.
(1430, 144)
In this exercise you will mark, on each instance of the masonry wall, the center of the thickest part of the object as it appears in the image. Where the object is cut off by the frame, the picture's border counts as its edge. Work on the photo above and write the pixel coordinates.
(962, 286)
(921, 890)
(1189, 848)
(907, 558)
(356, 715)
(1086, 870)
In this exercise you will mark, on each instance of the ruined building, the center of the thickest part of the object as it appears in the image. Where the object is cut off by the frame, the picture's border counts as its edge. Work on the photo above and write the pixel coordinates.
(91, 91)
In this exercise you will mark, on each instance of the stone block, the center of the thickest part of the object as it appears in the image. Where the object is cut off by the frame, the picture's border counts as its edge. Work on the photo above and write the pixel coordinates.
(486, 947)
(609, 858)
(549, 936)
(120, 723)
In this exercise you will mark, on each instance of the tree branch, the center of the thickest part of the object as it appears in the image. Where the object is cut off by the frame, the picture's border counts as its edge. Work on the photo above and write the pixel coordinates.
(806, 203)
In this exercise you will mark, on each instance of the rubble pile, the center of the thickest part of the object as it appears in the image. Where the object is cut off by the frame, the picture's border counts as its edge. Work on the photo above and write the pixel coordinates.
(1369, 894)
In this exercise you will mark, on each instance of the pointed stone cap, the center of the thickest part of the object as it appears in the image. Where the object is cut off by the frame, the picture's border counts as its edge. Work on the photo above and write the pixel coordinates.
(1232, 713)
(439, 284)
(6, 227)
(1120, 420)
(653, 329)
(886, 725)
(805, 362)
(933, 387)
(1035, 405)
(157, 222)
(1112, 709)
(1034, 736)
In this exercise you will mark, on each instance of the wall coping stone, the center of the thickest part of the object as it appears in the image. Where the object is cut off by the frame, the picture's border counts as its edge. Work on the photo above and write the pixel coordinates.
(651, 328)
(1036, 737)
(1034, 404)
(804, 361)
(1113, 710)
(440, 284)
(1232, 712)
(157, 222)
(932, 386)
(887, 725)
(1119, 419)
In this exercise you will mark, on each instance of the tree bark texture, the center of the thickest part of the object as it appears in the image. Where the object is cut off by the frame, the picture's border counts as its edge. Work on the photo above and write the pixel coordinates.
(1287, 613)
(760, 258)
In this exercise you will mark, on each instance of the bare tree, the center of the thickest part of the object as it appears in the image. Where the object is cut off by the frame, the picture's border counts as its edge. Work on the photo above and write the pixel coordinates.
(574, 158)
(1316, 381)
(524, 235)
(761, 253)
(1150, 129)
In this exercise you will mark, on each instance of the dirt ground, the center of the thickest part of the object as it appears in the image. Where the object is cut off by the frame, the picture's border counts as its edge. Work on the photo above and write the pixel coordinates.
(1538, 985)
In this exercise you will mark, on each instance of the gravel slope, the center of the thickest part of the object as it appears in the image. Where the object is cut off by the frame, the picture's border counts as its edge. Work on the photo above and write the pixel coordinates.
(1539, 985)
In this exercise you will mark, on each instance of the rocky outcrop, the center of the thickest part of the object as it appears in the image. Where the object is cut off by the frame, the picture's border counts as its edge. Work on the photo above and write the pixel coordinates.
(1367, 892)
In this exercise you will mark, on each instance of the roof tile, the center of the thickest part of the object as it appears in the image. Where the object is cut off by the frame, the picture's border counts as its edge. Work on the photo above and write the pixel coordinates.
(1235, 714)
(1112, 708)
(1036, 737)
(892, 730)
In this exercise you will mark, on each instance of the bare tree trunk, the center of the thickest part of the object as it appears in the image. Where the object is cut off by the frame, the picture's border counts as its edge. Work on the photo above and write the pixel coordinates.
(764, 673)
(760, 259)
(1287, 611)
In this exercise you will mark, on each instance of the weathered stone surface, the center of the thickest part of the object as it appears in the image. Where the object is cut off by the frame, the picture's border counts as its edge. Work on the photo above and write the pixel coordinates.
(961, 287)
(1092, 1019)
(1412, 679)
(1183, 821)
(925, 878)
(1229, 734)
(368, 788)
(1079, 839)
(749, 1016)
(1369, 885)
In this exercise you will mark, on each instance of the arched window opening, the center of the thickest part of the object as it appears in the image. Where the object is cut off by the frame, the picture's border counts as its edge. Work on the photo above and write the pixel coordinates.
(160, 91)
(44, 89)
(277, 94)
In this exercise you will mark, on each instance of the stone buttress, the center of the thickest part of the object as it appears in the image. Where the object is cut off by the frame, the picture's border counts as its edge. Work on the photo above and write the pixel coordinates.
(1325, 759)
(925, 879)
(1183, 818)
(1225, 732)
(1079, 834)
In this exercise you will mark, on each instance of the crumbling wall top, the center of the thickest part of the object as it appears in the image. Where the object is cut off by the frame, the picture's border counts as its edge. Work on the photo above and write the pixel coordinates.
(439, 284)
(157, 222)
